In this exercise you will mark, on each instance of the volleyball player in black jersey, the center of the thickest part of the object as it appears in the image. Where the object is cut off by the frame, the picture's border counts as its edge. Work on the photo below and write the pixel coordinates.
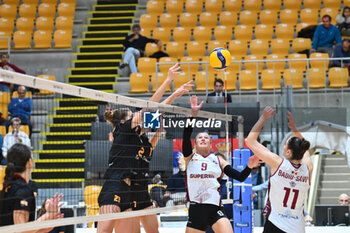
(116, 193)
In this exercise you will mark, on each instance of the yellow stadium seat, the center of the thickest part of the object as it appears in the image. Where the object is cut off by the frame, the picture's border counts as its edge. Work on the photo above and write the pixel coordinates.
(268, 17)
(278, 66)
(175, 49)
(66, 9)
(280, 47)
(42, 39)
(201, 80)
(259, 47)
(8, 11)
(2, 174)
(301, 26)
(52, 2)
(331, 4)
(317, 78)
(31, 2)
(252, 5)
(27, 11)
(155, 7)
(289, 16)
(208, 19)
(243, 32)
(333, 12)
(146, 32)
(44, 24)
(284, 31)
(162, 34)
(165, 68)
(196, 49)
(272, 5)
(4, 42)
(228, 18)
(22, 128)
(231, 79)
(5, 98)
(202, 33)
(194, 6)
(64, 23)
(48, 10)
(338, 77)
(253, 65)
(25, 24)
(11, 2)
(181, 34)
(62, 39)
(301, 44)
(323, 64)
(235, 67)
(190, 68)
(248, 80)
(28, 94)
(309, 16)
(161, 78)
(263, 32)
(148, 21)
(292, 4)
(238, 48)
(214, 6)
(215, 44)
(46, 92)
(188, 20)
(293, 77)
(174, 6)
(22, 40)
(139, 83)
(233, 5)
(249, 18)
(6, 25)
(91, 194)
(312, 4)
(223, 33)
(2, 130)
(151, 48)
(298, 65)
(146, 65)
(270, 80)
(168, 20)
(181, 79)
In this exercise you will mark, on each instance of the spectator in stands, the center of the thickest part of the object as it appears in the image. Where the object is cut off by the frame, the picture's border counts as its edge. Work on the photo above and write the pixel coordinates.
(219, 90)
(16, 136)
(325, 36)
(21, 107)
(343, 199)
(6, 65)
(134, 45)
(176, 191)
(343, 22)
(342, 50)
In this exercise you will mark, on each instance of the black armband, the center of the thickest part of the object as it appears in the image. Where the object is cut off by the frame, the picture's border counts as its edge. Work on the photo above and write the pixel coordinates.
(186, 143)
(234, 174)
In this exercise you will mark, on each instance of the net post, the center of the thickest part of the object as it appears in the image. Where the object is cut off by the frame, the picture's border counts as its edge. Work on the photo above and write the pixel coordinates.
(240, 121)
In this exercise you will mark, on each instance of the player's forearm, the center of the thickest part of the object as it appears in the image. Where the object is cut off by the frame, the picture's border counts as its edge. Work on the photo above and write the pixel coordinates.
(170, 99)
(160, 91)
(254, 133)
(297, 133)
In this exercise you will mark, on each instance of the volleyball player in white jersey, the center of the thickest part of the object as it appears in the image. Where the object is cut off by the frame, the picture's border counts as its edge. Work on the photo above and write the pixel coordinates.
(289, 180)
(203, 174)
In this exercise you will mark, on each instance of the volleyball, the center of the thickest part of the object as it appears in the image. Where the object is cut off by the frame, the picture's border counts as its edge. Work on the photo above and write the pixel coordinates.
(220, 58)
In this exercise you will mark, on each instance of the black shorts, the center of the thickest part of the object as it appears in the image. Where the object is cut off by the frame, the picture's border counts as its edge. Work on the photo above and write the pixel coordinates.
(115, 192)
(270, 227)
(141, 198)
(202, 216)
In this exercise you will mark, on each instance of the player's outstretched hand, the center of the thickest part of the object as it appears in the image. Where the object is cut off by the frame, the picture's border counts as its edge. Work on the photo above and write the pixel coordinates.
(268, 112)
(174, 70)
(291, 122)
(52, 206)
(183, 89)
(194, 105)
(254, 161)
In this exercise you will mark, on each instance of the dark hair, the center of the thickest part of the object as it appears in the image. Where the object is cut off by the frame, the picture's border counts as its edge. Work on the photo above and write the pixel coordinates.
(327, 16)
(115, 116)
(218, 81)
(136, 26)
(298, 147)
(2, 54)
(42, 210)
(345, 8)
(345, 40)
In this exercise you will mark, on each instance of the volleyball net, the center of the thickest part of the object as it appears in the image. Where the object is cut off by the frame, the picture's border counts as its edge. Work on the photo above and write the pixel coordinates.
(71, 140)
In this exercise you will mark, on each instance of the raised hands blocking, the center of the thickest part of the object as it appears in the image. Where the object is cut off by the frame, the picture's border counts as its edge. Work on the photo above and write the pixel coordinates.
(268, 112)
(174, 70)
(194, 105)
(183, 89)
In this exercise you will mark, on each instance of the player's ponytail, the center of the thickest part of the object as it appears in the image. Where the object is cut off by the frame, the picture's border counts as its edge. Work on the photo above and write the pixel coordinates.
(298, 147)
(115, 116)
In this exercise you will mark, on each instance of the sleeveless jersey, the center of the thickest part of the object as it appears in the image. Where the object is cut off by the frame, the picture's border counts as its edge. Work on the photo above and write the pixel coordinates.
(203, 177)
(288, 188)
(142, 160)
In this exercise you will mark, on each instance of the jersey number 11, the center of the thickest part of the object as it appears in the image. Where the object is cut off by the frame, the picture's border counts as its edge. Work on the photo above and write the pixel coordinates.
(286, 197)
